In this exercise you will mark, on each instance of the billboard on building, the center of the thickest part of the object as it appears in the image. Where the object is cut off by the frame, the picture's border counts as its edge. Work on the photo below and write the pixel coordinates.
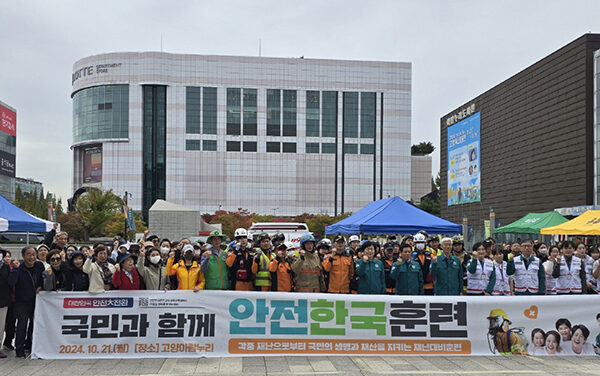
(92, 165)
(464, 167)
(8, 121)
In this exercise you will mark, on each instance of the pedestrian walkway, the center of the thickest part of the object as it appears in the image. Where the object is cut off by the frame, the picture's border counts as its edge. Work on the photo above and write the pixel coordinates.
(342, 365)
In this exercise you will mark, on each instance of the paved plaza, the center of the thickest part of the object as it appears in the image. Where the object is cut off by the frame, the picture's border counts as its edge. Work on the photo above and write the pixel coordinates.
(342, 365)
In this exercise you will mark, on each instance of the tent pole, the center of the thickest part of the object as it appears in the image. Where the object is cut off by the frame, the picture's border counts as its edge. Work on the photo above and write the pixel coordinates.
(27, 237)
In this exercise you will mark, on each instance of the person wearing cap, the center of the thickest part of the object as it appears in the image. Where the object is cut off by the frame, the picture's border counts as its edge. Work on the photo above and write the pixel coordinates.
(99, 270)
(424, 258)
(340, 267)
(353, 244)
(77, 279)
(213, 263)
(262, 258)
(189, 275)
(447, 271)
(388, 260)
(126, 276)
(370, 271)
(406, 273)
(121, 248)
(42, 254)
(240, 261)
(307, 267)
(458, 250)
(56, 276)
(281, 267)
(409, 239)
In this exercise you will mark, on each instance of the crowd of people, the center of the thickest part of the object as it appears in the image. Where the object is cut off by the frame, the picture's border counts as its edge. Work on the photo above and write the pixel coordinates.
(413, 265)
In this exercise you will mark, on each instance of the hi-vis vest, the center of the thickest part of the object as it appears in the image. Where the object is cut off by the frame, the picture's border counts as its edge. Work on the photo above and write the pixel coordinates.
(589, 267)
(502, 286)
(569, 280)
(526, 279)
(550, 281)
(263, 275)
(477, 282)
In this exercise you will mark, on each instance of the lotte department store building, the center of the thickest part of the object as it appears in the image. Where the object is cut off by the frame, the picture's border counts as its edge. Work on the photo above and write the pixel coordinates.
(278, 136)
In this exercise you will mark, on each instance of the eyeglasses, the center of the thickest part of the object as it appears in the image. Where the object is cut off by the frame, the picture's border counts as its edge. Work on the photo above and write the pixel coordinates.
(55, 259)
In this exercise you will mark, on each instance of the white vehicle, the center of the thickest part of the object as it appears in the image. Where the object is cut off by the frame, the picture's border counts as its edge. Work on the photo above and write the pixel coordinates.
(292, 231)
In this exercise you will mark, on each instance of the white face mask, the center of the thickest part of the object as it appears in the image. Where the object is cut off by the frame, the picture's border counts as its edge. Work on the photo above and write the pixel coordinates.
(197, 252)
(291, 253)
(544, 251)
(165, 250)
(420, 246)
(155, 259)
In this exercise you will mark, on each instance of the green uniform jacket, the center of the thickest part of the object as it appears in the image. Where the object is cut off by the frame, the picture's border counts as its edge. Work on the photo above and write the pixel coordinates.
(408, 277)
(372, 277)
(447, 275)
(215, 270)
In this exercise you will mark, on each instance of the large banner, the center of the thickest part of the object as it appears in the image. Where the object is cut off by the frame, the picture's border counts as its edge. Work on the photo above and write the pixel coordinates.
(137, 324)
(464, 164)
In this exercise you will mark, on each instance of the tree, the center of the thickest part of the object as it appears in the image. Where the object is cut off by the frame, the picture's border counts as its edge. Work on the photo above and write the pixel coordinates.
(423, 148)
(232, 220)
(430, 206)
(73, 224)
(116, 225)
(436, 183)
(97, 209)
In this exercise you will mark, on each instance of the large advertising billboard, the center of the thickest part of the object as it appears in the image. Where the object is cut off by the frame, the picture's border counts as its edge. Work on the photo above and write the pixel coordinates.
(92, 165)
(8, 121)
(464, 167)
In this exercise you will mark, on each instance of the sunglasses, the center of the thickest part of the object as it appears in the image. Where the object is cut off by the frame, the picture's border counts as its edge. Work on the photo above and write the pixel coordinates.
(55, 259)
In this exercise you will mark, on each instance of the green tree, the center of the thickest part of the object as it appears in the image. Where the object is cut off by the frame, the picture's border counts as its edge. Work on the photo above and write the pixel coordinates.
(116, 225)
(232, 220)
(19, 198)
(423, 148)
(97, 208)
(430, 206)
(73, 224)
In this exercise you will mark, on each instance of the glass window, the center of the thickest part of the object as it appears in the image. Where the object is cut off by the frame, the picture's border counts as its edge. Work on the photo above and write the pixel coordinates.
(233, 111)
(367, 149)
(233, 146)
(328, 148)
(154, 124)
(367, 115)
(250, 112)
(101, 112)
(329, 122)
(273, 147)
(350, 148)
(350, 114)
(192, 110)
(312, 114)
(209, 145)
(192, 144)
(289, 147)
(250, 146)
(273, 112)
(289, 113)
(209, 110)
(312, 148)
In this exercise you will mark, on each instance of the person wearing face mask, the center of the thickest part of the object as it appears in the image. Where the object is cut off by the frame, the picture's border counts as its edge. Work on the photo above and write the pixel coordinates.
(151, 269)
(406, 273)
(239, 260)
(340, 267)
(165, 249)
(548, 268)
(542, 252)
(569, 271)
(213, 262)
(424, 259)
(281, 268)
(307, 267)
(189, 275)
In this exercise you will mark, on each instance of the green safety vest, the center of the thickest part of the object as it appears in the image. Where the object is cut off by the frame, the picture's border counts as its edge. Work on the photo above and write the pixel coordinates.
(263, 276)
(217, 276)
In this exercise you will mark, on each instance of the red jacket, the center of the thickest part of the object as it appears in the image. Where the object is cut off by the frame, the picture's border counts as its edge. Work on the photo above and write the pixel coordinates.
(121, 282)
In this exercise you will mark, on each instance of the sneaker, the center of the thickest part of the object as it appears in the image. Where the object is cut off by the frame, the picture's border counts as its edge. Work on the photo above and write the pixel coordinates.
(9, 347)
(21, 355)
(2, 355)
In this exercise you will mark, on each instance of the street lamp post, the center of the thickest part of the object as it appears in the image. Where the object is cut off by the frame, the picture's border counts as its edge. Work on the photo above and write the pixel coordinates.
(126, 209)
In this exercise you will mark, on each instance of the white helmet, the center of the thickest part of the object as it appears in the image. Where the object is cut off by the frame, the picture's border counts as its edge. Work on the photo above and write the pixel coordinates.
(240, 232)
(353, 238)
(250, 236)
(419, 238)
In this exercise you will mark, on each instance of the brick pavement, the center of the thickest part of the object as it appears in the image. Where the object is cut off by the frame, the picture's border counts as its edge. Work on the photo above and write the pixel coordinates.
(342, 365)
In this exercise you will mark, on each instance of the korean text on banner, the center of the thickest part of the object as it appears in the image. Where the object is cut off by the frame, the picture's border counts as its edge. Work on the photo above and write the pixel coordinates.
(464, 163)
(231, 323)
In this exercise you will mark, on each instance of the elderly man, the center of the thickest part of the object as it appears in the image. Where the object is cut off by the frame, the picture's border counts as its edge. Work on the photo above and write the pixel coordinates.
(56, 240)
(528, 274)
(447, 271)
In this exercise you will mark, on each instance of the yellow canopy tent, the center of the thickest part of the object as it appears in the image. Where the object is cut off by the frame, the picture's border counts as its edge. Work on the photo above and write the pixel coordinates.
(587, 223)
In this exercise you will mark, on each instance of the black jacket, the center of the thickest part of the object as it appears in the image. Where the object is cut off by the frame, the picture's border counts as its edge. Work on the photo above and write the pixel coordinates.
(5, 288)
(77, 280)
(26, 282)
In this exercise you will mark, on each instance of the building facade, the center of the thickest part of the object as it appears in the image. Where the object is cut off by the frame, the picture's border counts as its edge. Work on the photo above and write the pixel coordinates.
(8, 150)
(420, 177)
(278, 136)
(28, 186)
(530, 140)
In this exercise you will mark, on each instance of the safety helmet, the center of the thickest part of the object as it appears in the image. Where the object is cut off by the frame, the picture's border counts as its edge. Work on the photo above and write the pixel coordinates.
(289, 245)
(457, 240)
(240, 233)
(215, 234)
(353, 238)
(324, 243)
(278, 237)
(497, 312)
(306, 238)
(231, 244)
(423, 232)
(262, 236)
(419, 238)
(250, 237)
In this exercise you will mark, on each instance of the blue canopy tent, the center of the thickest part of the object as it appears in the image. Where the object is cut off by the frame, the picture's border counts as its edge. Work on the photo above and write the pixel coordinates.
(392, 216)
(13, 219)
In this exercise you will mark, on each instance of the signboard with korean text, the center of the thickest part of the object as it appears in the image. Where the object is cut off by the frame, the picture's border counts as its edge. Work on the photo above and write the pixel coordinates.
(8, 121)
(464, 162)
(137, 324)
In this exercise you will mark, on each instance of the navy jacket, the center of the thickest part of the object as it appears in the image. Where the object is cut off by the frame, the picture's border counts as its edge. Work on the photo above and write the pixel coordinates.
(26, 282)
(5, 289)
(77, 280)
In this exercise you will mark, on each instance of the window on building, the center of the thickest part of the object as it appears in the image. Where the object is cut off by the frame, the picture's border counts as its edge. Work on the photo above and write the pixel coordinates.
(289, 147)
(329, 121)
(312, 148)
(209, 110)
(250, 146)
(367, 149)
(350, 148)
(350, 114)
(328, 148)
(233, 146)
(192, 144)
(250, 112)
(101, 112)
(289, 113)
(209, 145)
(367, 115)
(233, 111)
(273, 147)
(273, 112)
(312, 114)
(192, 110)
